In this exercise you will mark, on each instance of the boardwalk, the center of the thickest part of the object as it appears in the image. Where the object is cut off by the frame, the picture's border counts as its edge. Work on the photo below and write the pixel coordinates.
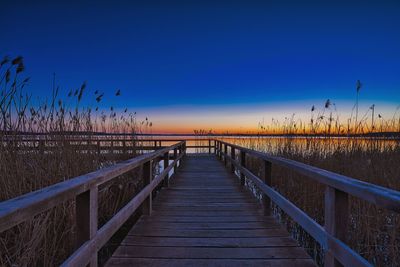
(205, 218)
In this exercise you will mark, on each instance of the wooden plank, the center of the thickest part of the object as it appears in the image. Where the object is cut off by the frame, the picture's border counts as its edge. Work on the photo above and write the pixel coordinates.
(142, 231)
(208, 225)
(209, 242)
(207, 215)
(210, 262)
(211, 253)
(179, 218)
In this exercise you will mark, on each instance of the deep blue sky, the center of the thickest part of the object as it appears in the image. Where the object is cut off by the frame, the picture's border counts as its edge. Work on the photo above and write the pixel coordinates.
(209, 53)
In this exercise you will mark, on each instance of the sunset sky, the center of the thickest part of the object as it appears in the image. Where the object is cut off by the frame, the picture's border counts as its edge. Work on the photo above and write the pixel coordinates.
(221, 65)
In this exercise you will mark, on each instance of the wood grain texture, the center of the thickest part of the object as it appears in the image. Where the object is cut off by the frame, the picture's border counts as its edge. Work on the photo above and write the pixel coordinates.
(206, 218)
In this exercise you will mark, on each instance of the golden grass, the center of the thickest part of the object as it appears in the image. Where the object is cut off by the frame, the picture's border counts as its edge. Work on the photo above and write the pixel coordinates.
(48, 239)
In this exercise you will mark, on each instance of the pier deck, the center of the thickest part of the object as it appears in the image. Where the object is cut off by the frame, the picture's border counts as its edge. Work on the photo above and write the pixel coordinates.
(206, 218)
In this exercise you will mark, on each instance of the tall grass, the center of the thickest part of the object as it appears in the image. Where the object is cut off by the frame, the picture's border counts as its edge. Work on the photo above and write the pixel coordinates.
(48, 238)
(357, 147)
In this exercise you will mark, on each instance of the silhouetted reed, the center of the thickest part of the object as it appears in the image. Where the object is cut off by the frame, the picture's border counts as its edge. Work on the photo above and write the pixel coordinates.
(48, 238)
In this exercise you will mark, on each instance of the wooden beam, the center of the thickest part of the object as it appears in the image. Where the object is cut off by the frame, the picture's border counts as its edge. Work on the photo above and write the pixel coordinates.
(336, 220)
(225, 154)
(147, 176)
(233, 157)
(175, 157)
(166, 163)
(86, 205)
(243, 165)
(267, 181)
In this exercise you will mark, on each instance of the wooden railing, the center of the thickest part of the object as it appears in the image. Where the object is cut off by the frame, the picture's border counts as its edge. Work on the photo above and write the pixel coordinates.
(100, 144)
(84, 189)
(331, 236)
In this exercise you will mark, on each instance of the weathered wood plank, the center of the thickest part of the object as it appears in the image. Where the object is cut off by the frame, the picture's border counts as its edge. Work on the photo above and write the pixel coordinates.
(143, 231)
(207, 216)
(208, 225)
(210, 262)
(248, 218)
(211, 253)
(209, 242)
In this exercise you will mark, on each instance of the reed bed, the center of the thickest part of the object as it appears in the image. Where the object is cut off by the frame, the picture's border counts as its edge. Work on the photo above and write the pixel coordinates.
(48, 238)
(373, 232)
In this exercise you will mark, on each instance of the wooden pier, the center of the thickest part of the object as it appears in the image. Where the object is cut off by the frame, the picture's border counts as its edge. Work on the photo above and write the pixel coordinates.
(206, 218)
(203, 215)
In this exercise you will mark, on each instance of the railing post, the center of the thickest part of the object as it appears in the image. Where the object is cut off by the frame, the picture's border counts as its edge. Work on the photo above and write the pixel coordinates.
(243, 164)
(147, 176)
(233, 158)
(336, 219)
(175, 157)
(179, 153)
(166, 163)
(209, 146)
(267, 181)
(86, 207)
(220, 150)
(225, 154)
(41, 146)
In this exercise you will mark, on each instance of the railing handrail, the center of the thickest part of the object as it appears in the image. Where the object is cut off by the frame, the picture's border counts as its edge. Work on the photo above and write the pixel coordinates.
(19, 209)
(100, 140)
(333, 234)
(375, 194)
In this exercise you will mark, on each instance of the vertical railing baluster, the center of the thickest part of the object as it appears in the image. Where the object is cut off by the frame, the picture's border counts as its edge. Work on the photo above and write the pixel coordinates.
(225, 154)
(243, 164)
(166, 163)
(175, 157)
(233, 158)
(147, 176)
(86, 207)
(267, 181)
(209, 146)
(336, 219)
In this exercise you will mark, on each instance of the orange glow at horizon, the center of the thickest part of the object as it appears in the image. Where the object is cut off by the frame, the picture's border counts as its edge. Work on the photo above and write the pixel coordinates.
(253, 119)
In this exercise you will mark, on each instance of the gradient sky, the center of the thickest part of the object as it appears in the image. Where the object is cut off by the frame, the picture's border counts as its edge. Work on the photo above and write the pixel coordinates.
(225, 65)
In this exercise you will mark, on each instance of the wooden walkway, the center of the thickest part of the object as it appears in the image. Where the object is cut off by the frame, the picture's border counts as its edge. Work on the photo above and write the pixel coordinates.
(205, 218)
